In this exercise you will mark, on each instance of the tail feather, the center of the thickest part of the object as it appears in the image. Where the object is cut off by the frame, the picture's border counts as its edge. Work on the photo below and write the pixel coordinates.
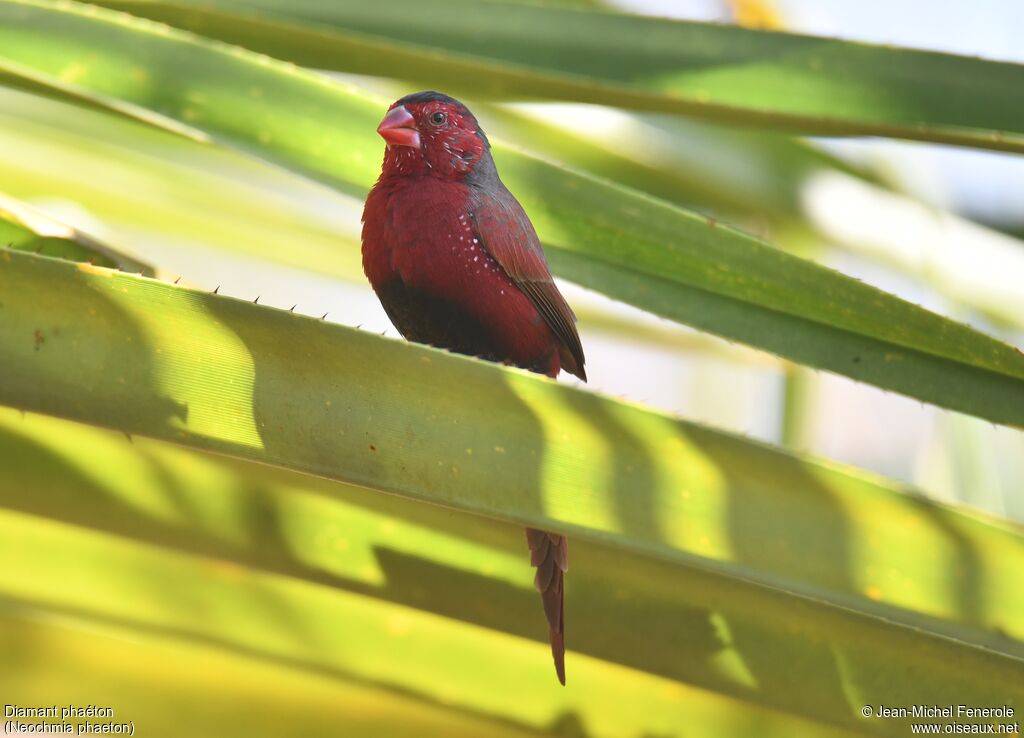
(549, 552)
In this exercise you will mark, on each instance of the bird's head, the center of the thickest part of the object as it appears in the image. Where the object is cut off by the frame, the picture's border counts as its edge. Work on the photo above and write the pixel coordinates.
(432, 133)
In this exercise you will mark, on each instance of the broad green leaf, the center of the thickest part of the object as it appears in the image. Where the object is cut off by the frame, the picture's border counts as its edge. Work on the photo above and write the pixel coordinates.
(975, 267)
(776, 80)
(632, 247)
(757, 179)
(131, 179)
(689, 512)
(746, 176)
(28, 229)
(728, 172)
(156, 680)
(152, 191)
(327, 579)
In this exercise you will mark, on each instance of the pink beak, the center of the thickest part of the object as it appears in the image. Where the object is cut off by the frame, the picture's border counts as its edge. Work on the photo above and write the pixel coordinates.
(399, 128)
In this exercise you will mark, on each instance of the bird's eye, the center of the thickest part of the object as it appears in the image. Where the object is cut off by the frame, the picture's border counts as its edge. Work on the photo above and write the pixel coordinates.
(438, 118)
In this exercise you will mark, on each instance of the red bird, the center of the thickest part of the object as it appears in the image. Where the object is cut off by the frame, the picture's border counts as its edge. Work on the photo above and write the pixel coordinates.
(457, 264)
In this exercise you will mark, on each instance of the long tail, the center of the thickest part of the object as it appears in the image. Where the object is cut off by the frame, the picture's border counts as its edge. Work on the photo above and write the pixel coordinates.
(549, 552)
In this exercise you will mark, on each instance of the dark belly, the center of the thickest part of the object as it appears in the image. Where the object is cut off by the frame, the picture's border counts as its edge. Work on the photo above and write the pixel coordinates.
(422, 318)
(426, 319)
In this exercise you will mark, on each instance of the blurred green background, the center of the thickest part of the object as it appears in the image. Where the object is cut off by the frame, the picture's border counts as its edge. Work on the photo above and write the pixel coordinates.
(795, 480)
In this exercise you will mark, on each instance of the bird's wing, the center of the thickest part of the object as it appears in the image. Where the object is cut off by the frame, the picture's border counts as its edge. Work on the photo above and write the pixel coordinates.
(506, 233)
